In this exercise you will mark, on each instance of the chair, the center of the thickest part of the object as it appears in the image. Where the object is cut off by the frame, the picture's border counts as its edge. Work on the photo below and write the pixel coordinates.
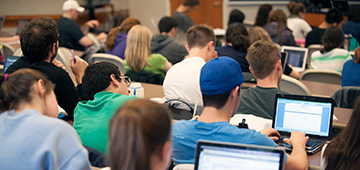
(323, 76)
(293, 86)
(184, 167)
(7, 49)
(18, 52)
(99, 57)
(64, 56)
(311, 49)
(345, 96)
(145, 77)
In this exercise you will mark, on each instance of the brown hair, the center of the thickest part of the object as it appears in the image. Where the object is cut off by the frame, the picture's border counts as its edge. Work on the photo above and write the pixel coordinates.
(191, 3)
(258, 33)
(199, 36)
(332, 38)
(124, 27)
(262, 57)
(138, 130)
(18, 87)
(295, 7)
(357, 55)
(279, 17)
(342, 153)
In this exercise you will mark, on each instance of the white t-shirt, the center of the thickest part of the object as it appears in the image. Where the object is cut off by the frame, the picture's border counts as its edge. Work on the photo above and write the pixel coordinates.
(182, 81)
(299, 27)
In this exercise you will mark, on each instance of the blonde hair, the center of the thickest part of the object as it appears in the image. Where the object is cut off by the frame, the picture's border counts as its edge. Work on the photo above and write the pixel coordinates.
(258, 33)
(137, 49)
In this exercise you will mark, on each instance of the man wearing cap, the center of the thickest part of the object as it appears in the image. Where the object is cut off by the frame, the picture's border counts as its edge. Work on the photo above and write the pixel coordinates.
(71, 35)
(220, 83)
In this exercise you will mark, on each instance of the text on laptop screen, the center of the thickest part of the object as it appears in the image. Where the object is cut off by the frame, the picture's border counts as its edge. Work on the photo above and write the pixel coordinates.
(216, 158)
(295, 58)
(311, 117)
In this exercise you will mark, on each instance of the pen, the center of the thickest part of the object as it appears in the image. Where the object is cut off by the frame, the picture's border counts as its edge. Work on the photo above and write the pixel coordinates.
(73, 56)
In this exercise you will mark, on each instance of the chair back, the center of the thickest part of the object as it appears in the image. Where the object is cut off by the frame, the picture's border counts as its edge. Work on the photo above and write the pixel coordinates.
(345, 96)
(145, 77)
(311, 49)
(64, 56)
(18, 52)
(323, 76)
(293, 86)
(102, 57)
(7, 50)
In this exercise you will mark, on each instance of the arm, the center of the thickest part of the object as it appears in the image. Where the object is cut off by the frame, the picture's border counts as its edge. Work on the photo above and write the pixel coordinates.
(298, 157)
(78, 68)
(86, 41)
(167, 66)
(89, 24)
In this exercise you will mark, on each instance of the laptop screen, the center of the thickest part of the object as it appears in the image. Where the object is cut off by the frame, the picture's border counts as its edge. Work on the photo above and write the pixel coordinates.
(311, 115)
(295, 58)
(225, 156)
(8, 61)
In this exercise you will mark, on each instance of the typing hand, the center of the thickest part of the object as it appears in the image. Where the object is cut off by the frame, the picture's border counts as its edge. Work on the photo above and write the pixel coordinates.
(92, 23)
(78, 68)
(297, 139)
(271, 133)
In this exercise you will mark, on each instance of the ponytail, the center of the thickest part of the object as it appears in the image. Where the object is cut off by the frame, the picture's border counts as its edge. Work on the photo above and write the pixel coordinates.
(357, 55)
(110, 40)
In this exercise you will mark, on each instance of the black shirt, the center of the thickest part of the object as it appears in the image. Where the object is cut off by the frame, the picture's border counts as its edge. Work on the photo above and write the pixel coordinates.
(69, 34)
(236, 55)
(314, 36)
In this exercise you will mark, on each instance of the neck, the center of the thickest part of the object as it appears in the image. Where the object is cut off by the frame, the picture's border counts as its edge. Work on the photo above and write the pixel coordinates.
(181, 8)
(324, 25)
(271, 80)
(211, 114)
(35, 104)
(199, 52)
(67, 15)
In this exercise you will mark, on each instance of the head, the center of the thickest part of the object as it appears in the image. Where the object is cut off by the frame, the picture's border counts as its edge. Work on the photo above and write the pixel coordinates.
(279, 17)
(190, 4)
(263, 15)
(138, 47)
(332, 38)
(71, 9)
(240, 42)
(39, 39)
(220, 81)
(202, 37)
(297, 8)
(235, 27)
(167, 25)
(140, 136)
(264, 59)
(333, 17)
(104, 76)
(26, 86)
(357, 55)
(124, 27)
(258, 33)
(236, 16)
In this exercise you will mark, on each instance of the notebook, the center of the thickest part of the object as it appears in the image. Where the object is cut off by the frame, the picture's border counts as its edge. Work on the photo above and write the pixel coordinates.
(232, 156)
(312, 115)
(8, 61)
(297, 57)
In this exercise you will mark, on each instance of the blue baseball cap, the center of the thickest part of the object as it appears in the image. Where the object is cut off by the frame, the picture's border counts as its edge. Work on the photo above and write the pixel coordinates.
(220, 75)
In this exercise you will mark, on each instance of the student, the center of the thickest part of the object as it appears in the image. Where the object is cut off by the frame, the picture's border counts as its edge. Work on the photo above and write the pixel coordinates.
(180, 14)
(70, 34)
(331, 56)
(351, 68)
(343, 151)
(296, 21)
(116, 41)
(220, 83)
(165, 44)
(263, 15)
(278, 30)
(140, 137)
(31, 135)
(352, 26)
(236, 16)
(138, 55)
(107, 90)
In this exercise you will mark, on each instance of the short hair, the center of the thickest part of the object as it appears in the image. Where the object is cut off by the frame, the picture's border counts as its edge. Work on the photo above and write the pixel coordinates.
(333, 16)
(97, 78)
(239, 27)
(296, 7)
(263, 15)
(191, 3)
(166, 24)
(199, 36)
(332, 38)
(262, 56)
(258, 33)
(240, 42)
(38, 37)
(236, 16)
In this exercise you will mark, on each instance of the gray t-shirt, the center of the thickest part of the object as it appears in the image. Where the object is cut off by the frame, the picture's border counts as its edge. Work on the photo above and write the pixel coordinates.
(184, 21)
(258, 101)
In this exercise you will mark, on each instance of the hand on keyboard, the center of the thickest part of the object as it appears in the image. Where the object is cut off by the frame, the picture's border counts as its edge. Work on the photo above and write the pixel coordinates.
(271, 133)
(297, 139)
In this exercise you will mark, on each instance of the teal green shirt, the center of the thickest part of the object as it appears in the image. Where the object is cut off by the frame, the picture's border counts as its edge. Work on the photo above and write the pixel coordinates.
(92, 118)
(157, 62)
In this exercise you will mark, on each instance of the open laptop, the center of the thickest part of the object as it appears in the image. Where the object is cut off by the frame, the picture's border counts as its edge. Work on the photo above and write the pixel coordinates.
(297, 57)
(230, 156)
(9, 59)
(312, 115)
(284, 56)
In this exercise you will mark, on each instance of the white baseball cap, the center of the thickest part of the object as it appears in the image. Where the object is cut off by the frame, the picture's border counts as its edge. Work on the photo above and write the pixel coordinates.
(72, 4)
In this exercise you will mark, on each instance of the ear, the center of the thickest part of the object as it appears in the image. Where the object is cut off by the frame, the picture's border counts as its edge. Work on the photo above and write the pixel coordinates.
(278, 65)
(114, 81)
(187, 48)
(234, 92)
(210, 45)
(251, 70)
(40, 88)
(173, 31)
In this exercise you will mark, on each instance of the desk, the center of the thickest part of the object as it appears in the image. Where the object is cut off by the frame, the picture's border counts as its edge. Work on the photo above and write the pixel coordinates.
(152, 90)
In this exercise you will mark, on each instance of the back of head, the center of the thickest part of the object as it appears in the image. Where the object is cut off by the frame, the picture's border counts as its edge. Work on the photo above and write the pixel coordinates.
(218, 77)
(138, 47)
(263, 15)
(199, 36)
(258, 33)
(124, 27)
(166, 24)
(332, 38)
(138, 130)
(97, 77)
(190, 3)
(279, 17)
(262, 57)
(17, 87)
(295, 7)
(236, 16)
(235, 27)
(333, 16)
(37, 38)
(239, 41)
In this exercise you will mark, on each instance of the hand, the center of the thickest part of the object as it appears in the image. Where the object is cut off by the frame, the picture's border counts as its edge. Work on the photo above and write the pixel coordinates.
(297, 139)
(271, 133)
(59, 64)
(101, 36)
(92, 23)
(78, 68)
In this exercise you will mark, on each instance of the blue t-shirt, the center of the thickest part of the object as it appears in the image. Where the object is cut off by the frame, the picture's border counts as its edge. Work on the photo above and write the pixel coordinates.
(187, 133)
(350, 76)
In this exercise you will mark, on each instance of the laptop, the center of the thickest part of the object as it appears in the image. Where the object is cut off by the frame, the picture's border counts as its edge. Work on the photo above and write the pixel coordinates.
(297, 57)
(230, 156)
(284, 56)
(312, 115)
(8, 61)
(21, 25)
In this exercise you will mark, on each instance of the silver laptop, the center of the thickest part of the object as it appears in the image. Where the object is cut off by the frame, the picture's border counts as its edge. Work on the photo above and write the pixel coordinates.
(297, 57)
(312, 115)
(232, 156)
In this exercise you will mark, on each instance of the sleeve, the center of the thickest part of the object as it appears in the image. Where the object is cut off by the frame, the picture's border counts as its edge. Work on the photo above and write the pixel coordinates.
(158, 61)
(75, 32)
(288, 70)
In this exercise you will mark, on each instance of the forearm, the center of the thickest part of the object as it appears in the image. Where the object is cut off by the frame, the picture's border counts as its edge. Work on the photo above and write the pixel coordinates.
(297, 159)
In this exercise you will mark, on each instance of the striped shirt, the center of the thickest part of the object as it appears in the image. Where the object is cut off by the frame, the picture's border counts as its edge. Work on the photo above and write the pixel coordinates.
(332, 60)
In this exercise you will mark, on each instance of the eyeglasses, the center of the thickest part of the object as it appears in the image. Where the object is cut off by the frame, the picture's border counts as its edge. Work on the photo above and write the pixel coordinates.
(126, 79)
